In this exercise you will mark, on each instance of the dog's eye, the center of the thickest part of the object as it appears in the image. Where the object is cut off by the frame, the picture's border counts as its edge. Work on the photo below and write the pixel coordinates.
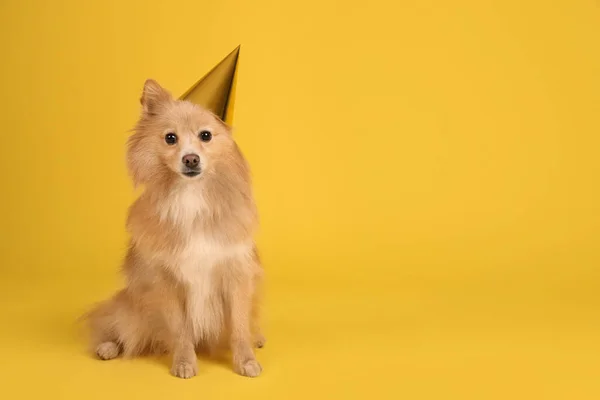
(205, 136)
(171, 139)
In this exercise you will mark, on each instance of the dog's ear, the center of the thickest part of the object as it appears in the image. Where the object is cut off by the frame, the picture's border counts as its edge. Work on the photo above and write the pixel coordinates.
(153, 97)
(224, 124)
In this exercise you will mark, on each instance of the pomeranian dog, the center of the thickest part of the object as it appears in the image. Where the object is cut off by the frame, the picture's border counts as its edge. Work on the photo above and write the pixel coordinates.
(192, 270)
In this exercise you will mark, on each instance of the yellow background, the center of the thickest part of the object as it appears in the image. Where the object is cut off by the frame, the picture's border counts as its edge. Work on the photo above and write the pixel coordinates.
(427, 175)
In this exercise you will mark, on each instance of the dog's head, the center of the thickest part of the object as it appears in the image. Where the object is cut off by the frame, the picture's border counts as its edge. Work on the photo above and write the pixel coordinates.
(176, 139)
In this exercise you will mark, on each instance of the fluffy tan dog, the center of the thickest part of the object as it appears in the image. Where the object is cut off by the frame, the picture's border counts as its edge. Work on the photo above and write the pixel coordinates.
(192, 269)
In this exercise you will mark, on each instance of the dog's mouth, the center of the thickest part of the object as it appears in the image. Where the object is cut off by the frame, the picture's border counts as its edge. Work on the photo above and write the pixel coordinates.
(191, 173)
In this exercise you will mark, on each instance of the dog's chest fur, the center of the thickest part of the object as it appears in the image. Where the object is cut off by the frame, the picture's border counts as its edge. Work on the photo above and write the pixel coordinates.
(202, 263)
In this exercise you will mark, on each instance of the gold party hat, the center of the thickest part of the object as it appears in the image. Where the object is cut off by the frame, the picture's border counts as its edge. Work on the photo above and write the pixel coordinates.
(214, 90)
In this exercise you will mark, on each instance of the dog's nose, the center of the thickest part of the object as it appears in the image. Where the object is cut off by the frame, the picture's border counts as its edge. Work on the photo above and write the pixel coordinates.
(191, 160)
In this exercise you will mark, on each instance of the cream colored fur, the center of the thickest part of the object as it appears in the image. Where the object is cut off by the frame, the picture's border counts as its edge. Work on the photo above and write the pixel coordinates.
(192, 270)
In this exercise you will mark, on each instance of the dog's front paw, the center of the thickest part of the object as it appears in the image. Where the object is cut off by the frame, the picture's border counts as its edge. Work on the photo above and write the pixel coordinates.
(184, 369)
(250, 368)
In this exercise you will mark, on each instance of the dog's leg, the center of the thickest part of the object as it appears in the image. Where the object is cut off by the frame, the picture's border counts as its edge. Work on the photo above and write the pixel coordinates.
(185, 364)
(244, 361)
(259, 338)
(103, 325)
(105, 344)
(256, 317)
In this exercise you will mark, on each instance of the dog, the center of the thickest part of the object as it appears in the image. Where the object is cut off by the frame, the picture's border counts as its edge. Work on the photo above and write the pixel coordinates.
(192, 270)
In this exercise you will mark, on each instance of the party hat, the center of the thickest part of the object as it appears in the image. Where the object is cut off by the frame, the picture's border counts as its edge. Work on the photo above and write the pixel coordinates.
(214, 90)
